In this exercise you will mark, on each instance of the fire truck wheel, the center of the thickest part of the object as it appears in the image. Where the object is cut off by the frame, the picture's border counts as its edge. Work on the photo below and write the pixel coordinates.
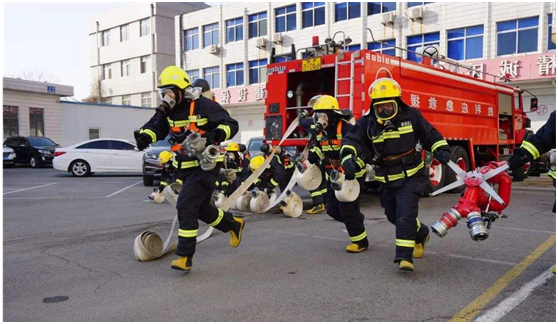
(435, 173)
(459, 156)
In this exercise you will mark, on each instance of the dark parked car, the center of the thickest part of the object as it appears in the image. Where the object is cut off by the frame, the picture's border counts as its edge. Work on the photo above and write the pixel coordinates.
(35, 151)
(151, 167)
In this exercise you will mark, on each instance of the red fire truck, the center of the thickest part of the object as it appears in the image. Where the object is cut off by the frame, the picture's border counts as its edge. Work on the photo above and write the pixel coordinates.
(482, 121)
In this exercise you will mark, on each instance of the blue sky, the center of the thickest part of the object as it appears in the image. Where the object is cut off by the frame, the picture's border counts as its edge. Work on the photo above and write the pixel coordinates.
(52, 38)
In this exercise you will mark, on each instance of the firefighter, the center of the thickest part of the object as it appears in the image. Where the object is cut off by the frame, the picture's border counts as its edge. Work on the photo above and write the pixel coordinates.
(182, 112)
(204, 88)
(330, 125)
(168, 173)
(271, 177)
(236, 162)
(319, 194)
(391, 133)
(533, 146)
(286, 167)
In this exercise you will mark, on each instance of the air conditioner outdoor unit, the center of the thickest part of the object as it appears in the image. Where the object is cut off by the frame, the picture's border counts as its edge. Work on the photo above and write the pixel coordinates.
(415, 13)
(277, 38)
(387, 18)
(261, 42)
(214, 49)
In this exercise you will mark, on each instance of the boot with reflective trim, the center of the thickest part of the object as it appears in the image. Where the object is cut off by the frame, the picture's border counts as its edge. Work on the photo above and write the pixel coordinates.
(418, 252)
(182, 264)
(554, 269)
(236, 232)
(405, 265)
(316, 209)
(357, 247)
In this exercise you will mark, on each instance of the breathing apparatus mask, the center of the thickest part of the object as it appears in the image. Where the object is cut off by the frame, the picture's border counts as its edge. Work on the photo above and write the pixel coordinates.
(321, 120)
(385, 110)
(208, 94)
(171, 96)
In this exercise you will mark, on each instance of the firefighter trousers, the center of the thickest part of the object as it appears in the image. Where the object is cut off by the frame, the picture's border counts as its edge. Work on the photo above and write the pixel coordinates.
(288, 175)
(400, 203)
(349, 214)
(319, 195)
(193, 204)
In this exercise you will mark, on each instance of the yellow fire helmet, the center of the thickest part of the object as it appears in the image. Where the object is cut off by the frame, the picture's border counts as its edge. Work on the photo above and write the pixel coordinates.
(256, 162)
(324, 103)
(232, 147)
(174, 76)
(383, 92)
(165, 157)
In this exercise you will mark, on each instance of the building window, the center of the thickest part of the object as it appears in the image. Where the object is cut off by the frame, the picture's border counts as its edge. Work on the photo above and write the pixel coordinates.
(211, 74)
(313, 14)
(385, 47)
(127, 100)
(235, 74)
(551, 45)
(107, 71)
(517, 36)
(36, 122)
(193, 74)
(352, 48)
(146, 99)
(415, 4)
(347, 10)
(282, 58)
(234, 30)
(106, 38)
(94, 133)
(124, 33)
(145, 27)
(11, 126)
(465, 43)
(211, 34)
(143, 64)
(380, 7)
(414, 42)
(257, 25)
(191, 39)
(257, 71)
(125, 68)
(285, 19)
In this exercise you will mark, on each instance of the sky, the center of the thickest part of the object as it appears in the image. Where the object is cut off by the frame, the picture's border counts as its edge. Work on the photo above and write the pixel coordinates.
(51, 38)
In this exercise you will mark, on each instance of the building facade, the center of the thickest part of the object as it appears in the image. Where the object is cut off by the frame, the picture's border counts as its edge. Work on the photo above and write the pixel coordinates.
(130, 46)
(33, 108)
(230, 44)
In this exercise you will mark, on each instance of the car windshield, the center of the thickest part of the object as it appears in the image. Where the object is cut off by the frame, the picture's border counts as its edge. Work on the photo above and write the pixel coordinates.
(255, 144)
(163, 142)
(40, 141)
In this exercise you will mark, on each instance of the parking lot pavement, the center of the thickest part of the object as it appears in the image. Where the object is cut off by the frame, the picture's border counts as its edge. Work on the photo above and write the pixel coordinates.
(68, 257)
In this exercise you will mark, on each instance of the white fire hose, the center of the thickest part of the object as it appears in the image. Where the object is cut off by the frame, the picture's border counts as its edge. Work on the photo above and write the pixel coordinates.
(148, 245)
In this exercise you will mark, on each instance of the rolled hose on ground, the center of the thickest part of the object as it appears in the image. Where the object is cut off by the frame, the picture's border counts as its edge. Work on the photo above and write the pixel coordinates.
(147, 245)
(292, 205)
(310, 177)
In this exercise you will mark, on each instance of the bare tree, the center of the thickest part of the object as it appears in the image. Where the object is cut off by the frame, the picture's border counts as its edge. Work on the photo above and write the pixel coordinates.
(35, 75)
(96, 93)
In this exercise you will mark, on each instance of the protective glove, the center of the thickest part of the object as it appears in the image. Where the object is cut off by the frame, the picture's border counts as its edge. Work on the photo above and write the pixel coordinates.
(442, 154)
(213, 136)
(518, 159)
(349, 167)
(303, 114)
(143, 140)
(313, 158)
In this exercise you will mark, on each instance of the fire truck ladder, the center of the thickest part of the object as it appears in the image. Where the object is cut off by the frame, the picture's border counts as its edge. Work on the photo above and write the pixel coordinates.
(350, 78)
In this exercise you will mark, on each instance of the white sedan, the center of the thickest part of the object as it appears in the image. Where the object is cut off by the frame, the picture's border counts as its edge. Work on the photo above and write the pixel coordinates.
(98, 155)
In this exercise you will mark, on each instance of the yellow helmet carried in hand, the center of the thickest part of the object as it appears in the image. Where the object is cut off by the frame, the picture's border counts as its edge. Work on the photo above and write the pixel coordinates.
(384, 88)
(324, 102)
(174, 76)
(232, 147)
(256, 162)
(165, 157)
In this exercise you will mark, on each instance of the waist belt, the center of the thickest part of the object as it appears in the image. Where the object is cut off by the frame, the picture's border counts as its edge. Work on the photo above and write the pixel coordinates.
(401, 159)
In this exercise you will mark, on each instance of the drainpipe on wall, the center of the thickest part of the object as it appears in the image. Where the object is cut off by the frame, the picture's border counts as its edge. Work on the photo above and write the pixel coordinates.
(98, 65)
(153, 60)
(223, 74)
(181, 50)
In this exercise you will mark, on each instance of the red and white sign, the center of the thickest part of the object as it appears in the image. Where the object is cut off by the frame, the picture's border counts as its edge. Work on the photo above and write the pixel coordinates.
(238, 95)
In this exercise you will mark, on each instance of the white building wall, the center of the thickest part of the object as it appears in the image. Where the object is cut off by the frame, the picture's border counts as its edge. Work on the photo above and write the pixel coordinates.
(78, 118)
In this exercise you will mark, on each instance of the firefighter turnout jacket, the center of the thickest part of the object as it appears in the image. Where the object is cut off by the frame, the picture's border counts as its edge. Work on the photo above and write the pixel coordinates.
(542, 141)
(393, 147)
(272, 176)
(202, 115)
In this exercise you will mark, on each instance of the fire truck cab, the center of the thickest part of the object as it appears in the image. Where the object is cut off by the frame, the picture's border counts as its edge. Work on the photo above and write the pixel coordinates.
(482, 121)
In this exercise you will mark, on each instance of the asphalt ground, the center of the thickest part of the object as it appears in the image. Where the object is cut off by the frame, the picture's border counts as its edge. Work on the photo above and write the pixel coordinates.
(68, 257)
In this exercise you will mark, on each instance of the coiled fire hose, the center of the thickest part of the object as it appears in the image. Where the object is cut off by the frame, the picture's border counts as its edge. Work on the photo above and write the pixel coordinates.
(149, 245)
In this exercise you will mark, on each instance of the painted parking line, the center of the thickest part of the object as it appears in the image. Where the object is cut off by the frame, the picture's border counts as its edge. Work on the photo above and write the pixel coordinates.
(508, 304)
(523, 229)
(35, 187)
(470, 311)
(119, 191)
